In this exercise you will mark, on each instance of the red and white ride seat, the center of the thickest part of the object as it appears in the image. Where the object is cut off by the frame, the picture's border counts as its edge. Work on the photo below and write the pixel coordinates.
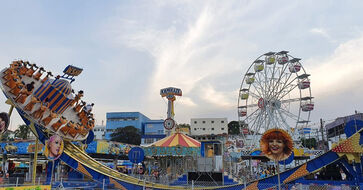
(242, 113)
(304, 84)
(307, 107)
(282, 60)
(294, 68)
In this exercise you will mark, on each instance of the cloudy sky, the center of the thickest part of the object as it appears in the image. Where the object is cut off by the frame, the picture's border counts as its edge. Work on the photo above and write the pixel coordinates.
(129, 50)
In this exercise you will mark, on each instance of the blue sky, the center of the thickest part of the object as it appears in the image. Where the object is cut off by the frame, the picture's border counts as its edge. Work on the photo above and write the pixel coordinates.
(129, 50)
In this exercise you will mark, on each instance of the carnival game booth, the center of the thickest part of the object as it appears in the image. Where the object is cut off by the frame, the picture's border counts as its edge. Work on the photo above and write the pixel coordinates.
(174, 154)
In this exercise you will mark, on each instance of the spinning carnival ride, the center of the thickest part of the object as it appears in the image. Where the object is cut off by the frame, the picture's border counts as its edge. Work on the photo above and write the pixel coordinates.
(275, 93)
(49, 103)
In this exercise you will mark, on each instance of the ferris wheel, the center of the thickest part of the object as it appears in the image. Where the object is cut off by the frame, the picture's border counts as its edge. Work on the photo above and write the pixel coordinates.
(275, 93)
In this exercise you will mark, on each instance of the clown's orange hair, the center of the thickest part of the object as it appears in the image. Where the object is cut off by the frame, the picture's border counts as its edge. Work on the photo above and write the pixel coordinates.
(278, 134)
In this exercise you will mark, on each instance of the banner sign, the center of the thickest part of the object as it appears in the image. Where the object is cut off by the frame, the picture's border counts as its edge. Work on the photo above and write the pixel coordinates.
(19, 147)
(97, 146)
(171, 151)
(72, 70)
(33, 187)
(170, 91)
(108, 147)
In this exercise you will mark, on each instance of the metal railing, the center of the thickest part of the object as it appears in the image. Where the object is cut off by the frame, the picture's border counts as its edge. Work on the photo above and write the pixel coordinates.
(72, 183)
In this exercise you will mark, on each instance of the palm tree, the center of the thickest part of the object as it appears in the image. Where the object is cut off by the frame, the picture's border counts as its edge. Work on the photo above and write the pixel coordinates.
(22, 132)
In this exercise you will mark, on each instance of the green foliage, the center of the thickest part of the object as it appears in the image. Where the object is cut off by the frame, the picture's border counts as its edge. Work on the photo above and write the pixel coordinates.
(233, 128)
(22, 132)
(5, 136)
(309, 143)
(128, 134)
(184, 125)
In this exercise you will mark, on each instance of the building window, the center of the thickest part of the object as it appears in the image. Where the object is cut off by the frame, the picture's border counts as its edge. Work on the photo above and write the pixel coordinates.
(195, 129)
(195, 122)
(212, 121)
(203, 129)
(123, 119)
(203, 121)
(222, 128)
(212, 129)
(222, 121)
(149, 140)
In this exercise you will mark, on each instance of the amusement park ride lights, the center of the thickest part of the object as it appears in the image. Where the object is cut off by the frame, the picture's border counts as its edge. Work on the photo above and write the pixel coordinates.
(275, 93)
(170, 94)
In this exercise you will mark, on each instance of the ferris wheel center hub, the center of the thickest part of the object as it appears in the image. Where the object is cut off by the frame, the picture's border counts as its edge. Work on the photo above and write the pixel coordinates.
(261, 103)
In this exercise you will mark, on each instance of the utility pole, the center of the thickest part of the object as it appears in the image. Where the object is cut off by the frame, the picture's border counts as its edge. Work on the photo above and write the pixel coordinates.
(322, 133)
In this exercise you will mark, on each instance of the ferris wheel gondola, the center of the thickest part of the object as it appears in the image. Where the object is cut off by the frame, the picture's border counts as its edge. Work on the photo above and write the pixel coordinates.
(275, 93)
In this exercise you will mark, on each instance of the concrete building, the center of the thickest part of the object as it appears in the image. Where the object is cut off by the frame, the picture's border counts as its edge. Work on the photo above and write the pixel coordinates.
(338, 129)
(208, 126)
(151, 130)
(99, 131)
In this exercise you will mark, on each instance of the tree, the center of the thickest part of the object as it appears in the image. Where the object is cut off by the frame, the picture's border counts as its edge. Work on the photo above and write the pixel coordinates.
(22, 132)
(128, 134)
(184, 125)
(233, 128)
(184, 128)
(309, 143)
(6, 136)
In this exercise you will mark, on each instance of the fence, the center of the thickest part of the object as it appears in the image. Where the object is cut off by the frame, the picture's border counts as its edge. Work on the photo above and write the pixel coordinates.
(299, 186)
(70, 183)
(61, 184)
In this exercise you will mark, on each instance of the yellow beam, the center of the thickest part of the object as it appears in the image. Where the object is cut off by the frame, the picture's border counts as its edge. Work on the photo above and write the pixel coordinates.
(35, 160)
(8, 101)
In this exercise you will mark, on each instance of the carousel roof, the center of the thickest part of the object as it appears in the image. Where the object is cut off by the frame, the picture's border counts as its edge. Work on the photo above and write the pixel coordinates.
(177, 139)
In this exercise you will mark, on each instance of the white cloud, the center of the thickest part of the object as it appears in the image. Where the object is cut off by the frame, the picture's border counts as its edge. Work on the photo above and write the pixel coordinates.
(340, 71)
(320, 31)
(218, 98)
(323, 33)
(202, 47)
(187, 101)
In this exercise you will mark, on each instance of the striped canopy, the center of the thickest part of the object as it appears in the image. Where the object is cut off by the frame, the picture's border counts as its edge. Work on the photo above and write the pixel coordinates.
(177, 139)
